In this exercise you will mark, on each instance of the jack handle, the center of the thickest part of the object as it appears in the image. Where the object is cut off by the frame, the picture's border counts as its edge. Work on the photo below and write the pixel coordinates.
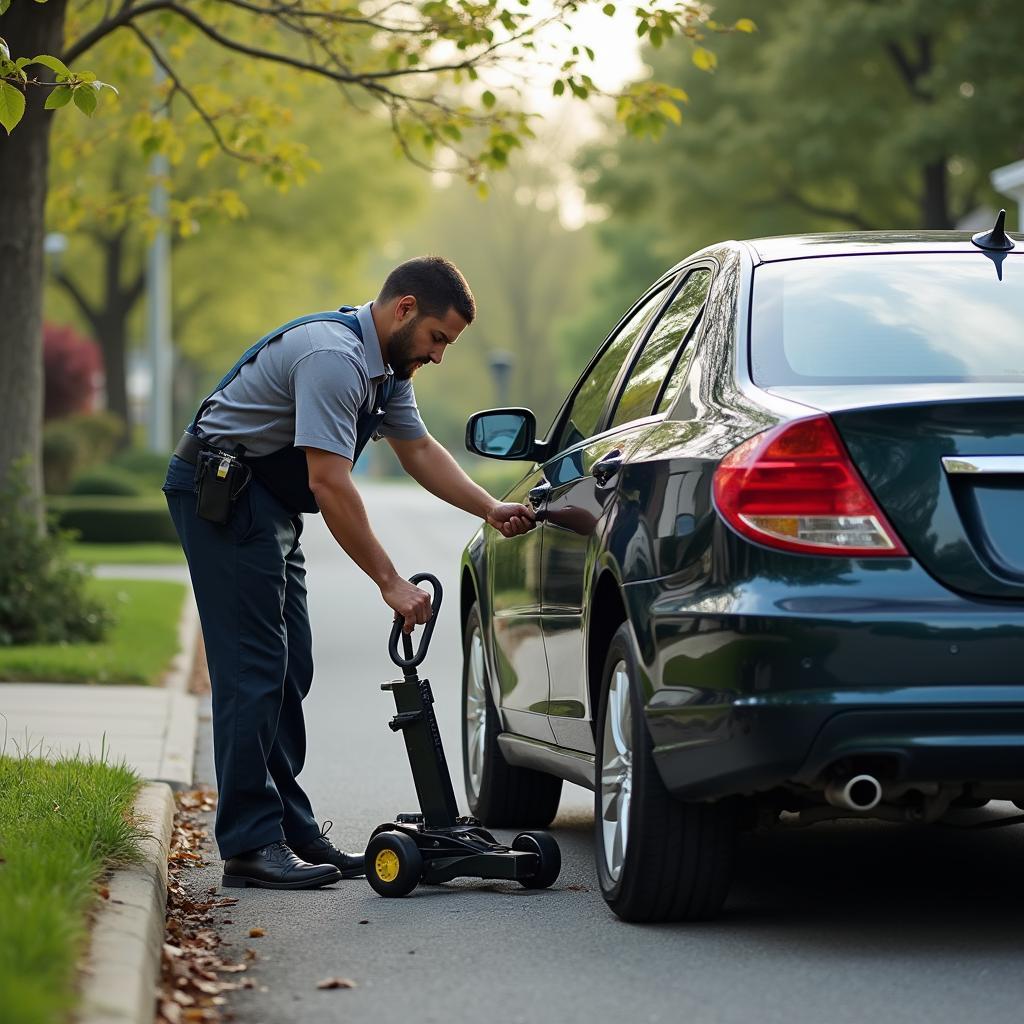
(410, 661)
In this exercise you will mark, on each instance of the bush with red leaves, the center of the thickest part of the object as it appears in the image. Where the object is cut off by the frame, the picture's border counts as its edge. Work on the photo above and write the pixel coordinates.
(73, 365)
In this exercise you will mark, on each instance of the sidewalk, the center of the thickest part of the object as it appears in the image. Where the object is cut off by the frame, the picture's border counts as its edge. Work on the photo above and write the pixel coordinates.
(153, 729)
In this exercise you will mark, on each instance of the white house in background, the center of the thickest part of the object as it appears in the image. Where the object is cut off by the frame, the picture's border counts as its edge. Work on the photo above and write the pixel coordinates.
(1009, 181)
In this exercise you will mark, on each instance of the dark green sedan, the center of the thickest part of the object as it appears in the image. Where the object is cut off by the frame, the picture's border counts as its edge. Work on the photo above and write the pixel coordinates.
(778, 571)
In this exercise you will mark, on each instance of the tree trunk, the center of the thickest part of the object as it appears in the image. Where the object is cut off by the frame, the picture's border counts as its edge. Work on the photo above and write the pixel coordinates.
(112, 331)
(108, 319)
(29, 29)
(935, 196)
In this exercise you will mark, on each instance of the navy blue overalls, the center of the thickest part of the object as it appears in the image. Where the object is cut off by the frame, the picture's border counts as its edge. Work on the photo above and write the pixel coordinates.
(249, 579)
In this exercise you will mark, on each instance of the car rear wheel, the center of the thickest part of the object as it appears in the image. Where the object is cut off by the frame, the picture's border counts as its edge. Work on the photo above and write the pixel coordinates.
(658, 859)
(499, 794)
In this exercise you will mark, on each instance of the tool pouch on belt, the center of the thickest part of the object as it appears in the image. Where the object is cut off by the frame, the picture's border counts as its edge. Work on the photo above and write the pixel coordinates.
(220, 480)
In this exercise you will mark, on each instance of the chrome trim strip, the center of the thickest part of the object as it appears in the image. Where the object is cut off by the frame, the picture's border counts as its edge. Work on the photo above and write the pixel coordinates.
(570, 765)
(983, 463)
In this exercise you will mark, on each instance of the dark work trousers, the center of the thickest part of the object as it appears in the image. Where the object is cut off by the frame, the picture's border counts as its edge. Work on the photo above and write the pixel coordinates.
(249, 578)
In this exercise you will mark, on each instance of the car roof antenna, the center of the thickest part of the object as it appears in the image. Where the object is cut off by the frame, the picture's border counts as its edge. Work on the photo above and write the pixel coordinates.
(995, 244)
(997, 239)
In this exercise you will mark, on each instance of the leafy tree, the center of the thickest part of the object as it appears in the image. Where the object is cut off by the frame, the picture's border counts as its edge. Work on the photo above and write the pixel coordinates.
(244, 256)
(860, 115)
(407, 62)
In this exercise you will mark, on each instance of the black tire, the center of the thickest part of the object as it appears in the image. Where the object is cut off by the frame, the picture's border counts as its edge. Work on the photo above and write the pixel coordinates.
(550, 856)
(393, 864)
(506, 796)
(677, 864)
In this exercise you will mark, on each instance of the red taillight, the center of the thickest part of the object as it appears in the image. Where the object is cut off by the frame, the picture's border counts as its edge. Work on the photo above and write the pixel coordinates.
(795, 487)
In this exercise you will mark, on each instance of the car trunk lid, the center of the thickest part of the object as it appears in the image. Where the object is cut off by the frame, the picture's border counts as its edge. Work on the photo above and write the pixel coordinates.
(950, 477)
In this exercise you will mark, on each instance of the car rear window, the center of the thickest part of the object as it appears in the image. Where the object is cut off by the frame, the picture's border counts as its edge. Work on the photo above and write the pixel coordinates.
(888, 319)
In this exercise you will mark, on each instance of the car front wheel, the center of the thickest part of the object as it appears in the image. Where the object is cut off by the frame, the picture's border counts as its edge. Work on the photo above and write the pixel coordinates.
(500, 795)
(658, 859)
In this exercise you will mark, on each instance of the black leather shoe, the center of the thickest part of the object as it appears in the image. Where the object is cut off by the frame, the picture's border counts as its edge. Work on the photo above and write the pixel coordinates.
(322, 851)
(275, 866)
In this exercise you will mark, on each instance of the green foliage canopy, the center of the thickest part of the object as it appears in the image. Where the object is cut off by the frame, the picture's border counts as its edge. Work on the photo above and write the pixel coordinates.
(413, 62)
(859, 115)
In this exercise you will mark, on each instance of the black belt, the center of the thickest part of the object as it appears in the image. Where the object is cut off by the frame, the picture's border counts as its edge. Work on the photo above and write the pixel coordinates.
(189, 447)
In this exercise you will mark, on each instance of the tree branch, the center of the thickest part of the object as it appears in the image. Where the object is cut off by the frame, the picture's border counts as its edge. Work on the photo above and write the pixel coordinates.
(87, 310)
(787, 194)
(366, 79)
(333, 17)
(911, 72)
(125, 14)
(180, 86)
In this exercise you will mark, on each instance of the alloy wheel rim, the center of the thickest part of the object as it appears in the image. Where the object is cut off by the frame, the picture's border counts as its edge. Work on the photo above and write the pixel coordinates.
(476, 713)
(616, 771)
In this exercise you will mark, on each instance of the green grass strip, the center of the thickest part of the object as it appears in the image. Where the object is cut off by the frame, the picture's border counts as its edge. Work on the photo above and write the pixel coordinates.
(137, 650)
(141, 553)
(61, 825)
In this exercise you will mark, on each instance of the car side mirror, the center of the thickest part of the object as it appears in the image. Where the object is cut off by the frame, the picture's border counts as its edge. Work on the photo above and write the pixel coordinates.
(502, 433)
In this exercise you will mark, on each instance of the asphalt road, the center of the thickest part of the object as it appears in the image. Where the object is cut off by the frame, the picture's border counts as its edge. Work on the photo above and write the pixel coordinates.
(840, 923)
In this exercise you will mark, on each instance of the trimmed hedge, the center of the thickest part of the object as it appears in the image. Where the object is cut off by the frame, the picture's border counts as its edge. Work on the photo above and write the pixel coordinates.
(148, 468)
(114, 519)
(77, 443)
(107, 480)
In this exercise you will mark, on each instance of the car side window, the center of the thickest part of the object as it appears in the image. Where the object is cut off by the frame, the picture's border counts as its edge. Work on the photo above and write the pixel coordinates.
(655, 361)
(585, 412)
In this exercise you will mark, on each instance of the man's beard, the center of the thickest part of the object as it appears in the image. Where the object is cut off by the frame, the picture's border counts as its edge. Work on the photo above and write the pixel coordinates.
(400, 355)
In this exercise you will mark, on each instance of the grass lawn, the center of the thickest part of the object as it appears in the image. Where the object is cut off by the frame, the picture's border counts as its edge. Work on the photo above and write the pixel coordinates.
(61, 825)
(137, 649)
(127, 554)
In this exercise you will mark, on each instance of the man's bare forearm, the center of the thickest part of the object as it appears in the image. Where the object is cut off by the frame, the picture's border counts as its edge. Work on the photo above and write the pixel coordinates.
(342, 507)
(431, 465)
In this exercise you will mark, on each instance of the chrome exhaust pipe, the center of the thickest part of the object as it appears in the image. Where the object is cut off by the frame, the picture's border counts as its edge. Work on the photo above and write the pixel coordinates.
(861, 793)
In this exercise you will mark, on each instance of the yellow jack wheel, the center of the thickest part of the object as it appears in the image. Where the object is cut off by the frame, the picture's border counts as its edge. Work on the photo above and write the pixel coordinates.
(393, 864)
(385, 865)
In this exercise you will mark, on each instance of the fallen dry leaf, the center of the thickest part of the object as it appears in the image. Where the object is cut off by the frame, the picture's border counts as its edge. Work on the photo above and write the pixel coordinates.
(171, 1012)
(336, 983)
(192, 971)
(256, 933)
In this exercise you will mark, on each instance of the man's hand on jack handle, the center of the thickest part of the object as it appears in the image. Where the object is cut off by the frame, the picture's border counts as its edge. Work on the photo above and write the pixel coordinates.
(408, 601)
(510, 518)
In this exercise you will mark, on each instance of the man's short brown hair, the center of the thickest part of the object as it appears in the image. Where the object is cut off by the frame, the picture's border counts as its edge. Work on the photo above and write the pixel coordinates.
(436, 283)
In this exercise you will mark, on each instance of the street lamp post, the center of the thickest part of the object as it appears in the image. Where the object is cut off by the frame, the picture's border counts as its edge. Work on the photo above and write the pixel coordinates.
(158, 305)
(501, 364)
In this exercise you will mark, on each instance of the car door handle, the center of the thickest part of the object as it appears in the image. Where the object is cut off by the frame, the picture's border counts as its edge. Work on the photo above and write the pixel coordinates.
(607, 466)
(539, 495)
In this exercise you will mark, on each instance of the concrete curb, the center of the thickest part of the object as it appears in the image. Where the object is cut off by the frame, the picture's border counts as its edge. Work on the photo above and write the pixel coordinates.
(123, 962)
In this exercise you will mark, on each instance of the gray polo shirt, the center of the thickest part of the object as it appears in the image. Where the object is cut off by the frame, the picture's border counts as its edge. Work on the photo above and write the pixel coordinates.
(307, 388)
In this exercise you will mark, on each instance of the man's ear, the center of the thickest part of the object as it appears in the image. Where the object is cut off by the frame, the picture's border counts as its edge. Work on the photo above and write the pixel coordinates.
(406, 307)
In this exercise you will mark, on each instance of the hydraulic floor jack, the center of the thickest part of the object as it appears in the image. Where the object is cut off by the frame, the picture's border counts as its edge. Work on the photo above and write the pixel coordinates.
(437, 845)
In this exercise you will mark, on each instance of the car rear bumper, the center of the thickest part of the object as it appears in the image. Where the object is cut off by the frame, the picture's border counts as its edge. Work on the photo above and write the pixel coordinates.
(899, 736)
(767, 685)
